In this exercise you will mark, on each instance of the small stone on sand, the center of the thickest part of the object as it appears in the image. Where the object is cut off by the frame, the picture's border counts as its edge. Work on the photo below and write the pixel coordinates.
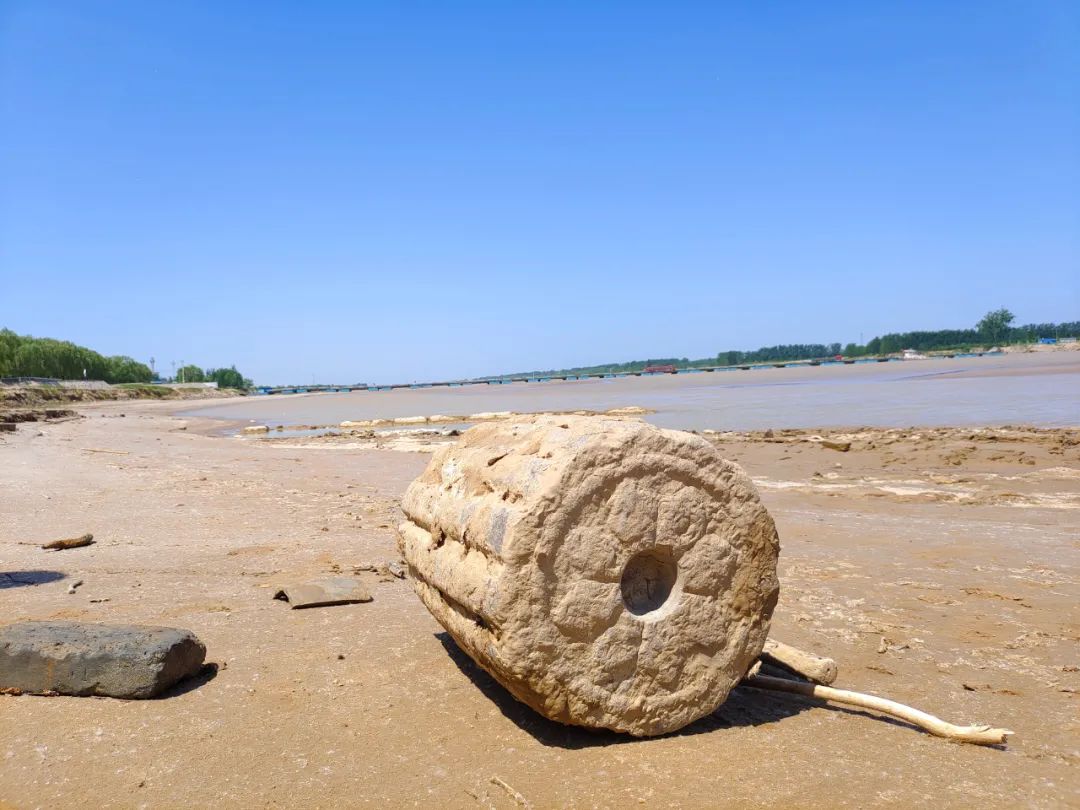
(81, 658)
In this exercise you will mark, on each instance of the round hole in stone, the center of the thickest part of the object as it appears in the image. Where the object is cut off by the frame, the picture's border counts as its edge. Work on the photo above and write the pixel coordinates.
(648, 580)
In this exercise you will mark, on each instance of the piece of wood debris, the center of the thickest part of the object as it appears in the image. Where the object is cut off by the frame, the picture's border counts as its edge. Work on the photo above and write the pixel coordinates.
(979, 735)
(812, 667)
(71, 542)
(513, 794)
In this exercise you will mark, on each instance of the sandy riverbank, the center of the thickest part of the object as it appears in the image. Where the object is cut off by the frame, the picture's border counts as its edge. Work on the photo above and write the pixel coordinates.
(958, 547)
(39, 396)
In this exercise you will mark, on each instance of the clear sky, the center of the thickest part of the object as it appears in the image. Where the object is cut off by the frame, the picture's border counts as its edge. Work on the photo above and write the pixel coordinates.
(397, 191)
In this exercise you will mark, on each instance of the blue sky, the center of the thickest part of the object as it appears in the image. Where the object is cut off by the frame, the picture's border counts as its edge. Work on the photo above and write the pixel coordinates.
(404, 191)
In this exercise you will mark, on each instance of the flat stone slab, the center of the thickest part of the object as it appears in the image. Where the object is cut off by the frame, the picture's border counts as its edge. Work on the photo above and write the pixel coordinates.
(80, 658)
(325, 591)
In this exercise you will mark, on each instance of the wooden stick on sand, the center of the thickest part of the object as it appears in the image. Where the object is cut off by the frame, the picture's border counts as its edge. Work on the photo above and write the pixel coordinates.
(74, 542)
(812, 667)
(980, 735)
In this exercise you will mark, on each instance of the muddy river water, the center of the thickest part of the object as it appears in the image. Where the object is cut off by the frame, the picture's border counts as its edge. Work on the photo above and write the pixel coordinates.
(1041, 389)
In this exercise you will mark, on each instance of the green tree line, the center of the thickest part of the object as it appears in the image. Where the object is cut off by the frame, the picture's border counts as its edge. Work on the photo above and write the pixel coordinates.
(27, 356)
(224, 377)
(994, 329)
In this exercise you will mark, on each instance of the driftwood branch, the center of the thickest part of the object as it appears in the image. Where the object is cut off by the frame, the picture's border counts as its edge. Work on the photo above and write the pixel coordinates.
(74, 542)
(520, 800)
(810, 666)
(980, 735)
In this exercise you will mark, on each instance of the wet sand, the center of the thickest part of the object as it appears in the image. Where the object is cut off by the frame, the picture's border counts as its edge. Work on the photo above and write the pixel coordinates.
(940, 568)
(1040, 388)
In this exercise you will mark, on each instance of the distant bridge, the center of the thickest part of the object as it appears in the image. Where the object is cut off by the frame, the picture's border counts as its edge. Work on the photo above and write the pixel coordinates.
(532, 378)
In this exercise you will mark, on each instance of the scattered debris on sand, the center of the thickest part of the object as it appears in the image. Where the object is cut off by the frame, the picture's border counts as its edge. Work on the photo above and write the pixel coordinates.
(351, 425)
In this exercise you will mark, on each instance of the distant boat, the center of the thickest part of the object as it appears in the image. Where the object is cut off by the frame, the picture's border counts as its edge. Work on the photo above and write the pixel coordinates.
(911, 354)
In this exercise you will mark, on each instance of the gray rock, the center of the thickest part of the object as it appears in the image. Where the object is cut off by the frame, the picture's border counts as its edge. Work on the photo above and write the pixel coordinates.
(79, 658)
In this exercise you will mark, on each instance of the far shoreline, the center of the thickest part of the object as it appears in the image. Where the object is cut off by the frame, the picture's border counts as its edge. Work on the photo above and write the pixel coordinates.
(1037, 389)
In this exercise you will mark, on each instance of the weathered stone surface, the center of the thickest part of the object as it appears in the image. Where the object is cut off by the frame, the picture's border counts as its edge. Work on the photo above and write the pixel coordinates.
(77, 658)
(324, 592)
(606, 572)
